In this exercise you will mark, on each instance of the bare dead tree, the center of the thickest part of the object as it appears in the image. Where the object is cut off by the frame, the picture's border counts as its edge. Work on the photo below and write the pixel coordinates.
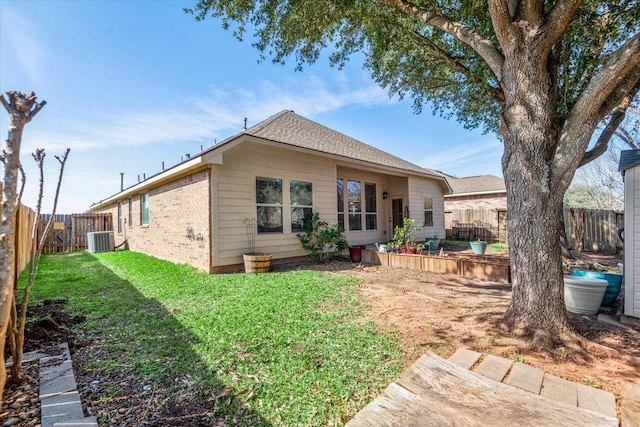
(18, 318)
(21, 109)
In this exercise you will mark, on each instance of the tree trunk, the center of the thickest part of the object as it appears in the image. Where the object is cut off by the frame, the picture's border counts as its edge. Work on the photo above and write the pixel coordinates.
(21, 108)
(534, 197)
(7, 232)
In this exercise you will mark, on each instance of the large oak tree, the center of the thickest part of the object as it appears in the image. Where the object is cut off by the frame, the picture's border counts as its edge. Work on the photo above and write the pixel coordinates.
(542, 73)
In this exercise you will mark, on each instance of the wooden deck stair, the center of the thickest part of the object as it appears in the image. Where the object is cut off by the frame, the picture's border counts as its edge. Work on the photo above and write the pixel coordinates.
(495, 392)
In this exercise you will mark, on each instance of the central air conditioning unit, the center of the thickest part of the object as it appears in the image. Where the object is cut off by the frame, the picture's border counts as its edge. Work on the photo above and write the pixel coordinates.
(100, 241)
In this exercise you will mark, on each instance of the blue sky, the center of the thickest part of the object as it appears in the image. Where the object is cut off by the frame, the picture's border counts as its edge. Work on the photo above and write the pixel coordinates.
(132, 84)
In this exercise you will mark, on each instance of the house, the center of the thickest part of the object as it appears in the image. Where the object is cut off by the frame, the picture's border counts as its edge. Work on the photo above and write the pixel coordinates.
(274, 175)
(476, 192)
(630, 168)
(476, 208)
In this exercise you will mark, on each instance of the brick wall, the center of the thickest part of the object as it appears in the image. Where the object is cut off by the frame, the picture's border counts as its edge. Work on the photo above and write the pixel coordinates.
(179, 221)
(488, 201)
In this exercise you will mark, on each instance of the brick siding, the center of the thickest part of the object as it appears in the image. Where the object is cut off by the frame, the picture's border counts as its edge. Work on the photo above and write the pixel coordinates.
(174, 208)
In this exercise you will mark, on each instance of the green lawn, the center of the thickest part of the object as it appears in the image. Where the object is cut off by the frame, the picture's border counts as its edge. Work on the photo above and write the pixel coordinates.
(291, 348)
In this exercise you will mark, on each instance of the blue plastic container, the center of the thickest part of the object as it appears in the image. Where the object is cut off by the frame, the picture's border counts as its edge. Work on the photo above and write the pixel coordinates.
(614, 280)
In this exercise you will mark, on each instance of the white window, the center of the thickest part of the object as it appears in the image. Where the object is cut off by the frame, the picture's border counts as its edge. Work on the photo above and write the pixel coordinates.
(428, 211)
(269, 205)
(301, 199)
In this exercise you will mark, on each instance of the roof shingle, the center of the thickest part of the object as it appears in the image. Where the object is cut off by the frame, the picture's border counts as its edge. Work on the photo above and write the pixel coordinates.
(476, 184)
(288, 128)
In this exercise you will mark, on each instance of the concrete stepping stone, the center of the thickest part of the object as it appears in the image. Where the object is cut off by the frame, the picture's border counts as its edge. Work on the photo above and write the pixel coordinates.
(559, 389)
(465, 358)
(596, 400)
(525, 377)
(59, 408)
(630, 397)
(81, 422)
(494, 367)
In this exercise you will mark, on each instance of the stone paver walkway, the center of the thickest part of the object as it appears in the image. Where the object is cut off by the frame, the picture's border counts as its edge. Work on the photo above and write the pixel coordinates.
(535, 381)
(60, 404)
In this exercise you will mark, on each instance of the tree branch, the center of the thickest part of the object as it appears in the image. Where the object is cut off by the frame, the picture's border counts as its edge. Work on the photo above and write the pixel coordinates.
(609, 131)
(23, 181)
(483, 47)
(558, 20)
(626, 136)
(456, 65)
(501, 18)
(618, 70)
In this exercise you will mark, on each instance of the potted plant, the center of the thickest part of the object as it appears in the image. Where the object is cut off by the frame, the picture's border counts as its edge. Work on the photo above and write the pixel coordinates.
(478, 247)
(254, 262)
(403, 237)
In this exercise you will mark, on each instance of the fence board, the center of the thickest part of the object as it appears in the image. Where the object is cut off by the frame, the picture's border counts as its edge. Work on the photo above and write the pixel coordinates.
(24, 225)
(70, 230)
(587, 229)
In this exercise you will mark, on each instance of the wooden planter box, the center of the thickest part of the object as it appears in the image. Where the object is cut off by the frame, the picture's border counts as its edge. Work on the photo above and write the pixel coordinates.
(375, 257)
(408, 261)
(490, 271)
(442, 265)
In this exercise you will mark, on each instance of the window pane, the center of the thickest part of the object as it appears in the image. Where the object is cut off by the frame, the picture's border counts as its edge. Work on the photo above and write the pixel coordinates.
(269, 191)
(355, 222)
(301, 193)
(340, 190)
(119, 217)
(299, 216)
(372, 221)
(370, 197)
(269, 219)
(130, 212)
(144, 209)
(428, 203)
(428, 218)
(353, 189)
(341, 220)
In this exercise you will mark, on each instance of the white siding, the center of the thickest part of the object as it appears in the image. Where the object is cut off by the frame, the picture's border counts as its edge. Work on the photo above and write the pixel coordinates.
(632, 242)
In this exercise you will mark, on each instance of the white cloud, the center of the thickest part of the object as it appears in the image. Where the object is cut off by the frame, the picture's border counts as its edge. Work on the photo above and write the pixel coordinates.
(475, 158)
(216, 115)
(24, 38)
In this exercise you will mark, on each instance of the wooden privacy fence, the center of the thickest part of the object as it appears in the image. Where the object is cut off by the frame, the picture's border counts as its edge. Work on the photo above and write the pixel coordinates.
(587, 230)
(69, 232)
(476, 224)
(24, 225)
(593, 230)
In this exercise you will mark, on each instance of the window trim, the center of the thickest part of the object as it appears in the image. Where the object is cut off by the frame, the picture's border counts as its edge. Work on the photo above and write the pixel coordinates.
(130, 212)
(120, 218)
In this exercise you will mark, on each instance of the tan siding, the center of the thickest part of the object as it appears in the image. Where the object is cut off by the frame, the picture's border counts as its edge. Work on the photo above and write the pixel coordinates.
(418, 189)
(236, 190)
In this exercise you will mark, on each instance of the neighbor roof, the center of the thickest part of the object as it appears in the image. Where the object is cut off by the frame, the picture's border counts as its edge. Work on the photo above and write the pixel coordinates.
(476, 184)
(289, 128)
(629, 159)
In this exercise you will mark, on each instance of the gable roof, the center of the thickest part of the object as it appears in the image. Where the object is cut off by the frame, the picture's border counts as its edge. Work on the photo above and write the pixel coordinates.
(289, 128)
(629, 159)
(476, 185)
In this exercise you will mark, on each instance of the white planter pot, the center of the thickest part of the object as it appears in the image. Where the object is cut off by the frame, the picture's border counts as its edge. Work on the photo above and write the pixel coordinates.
(583, 295)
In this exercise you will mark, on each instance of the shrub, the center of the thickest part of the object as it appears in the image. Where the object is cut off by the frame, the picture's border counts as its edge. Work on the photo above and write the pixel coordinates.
(322, 240)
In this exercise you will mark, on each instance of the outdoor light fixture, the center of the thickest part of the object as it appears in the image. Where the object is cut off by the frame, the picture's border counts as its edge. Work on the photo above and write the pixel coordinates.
(384, 195)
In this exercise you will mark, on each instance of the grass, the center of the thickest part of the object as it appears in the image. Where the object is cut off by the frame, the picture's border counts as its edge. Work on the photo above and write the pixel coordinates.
(290, 348)
(516, 357)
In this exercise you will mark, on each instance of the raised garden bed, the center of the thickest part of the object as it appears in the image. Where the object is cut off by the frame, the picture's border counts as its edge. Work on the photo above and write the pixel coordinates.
(489, 268)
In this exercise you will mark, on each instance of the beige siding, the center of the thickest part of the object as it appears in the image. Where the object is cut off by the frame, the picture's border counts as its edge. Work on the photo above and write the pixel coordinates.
(632, 242)
(173, 207)
(419, 188)
(234, 184)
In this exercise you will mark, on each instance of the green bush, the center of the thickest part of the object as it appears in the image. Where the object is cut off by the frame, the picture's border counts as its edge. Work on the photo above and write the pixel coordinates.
(321, 240)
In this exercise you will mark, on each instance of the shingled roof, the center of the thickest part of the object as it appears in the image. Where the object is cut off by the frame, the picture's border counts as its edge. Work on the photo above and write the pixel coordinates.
(289, 128)
(476, 184)
(629, 159)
